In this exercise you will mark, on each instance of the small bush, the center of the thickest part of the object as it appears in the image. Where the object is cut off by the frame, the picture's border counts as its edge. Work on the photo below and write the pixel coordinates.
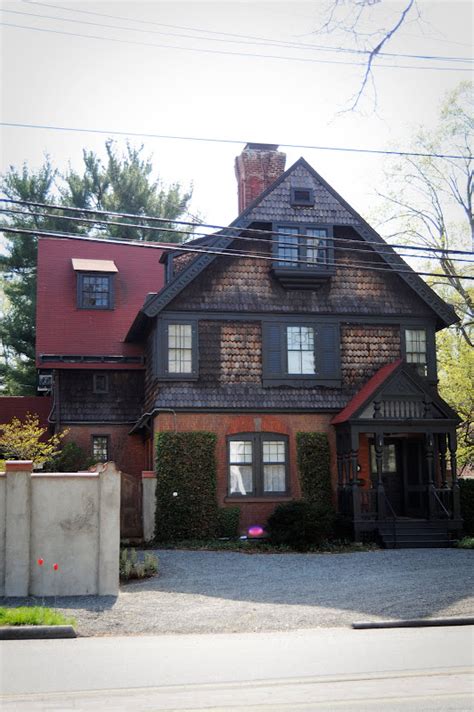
(466, 543)
(467, 504)
(300, 525)
(33, 615)
(228, 522)
(132, 568)
(71, 458)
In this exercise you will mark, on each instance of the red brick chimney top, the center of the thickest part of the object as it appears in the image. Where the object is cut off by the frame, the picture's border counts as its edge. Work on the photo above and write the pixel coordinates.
(257, 167)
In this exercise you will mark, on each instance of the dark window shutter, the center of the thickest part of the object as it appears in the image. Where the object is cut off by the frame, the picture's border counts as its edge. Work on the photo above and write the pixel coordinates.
(272, 349)
(328, 360)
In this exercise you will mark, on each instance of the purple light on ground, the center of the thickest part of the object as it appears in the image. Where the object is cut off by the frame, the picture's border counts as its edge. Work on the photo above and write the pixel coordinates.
(255, 531)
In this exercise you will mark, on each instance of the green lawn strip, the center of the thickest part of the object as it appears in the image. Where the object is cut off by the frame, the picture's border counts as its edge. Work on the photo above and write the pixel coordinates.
(261, 546)
(33, 615)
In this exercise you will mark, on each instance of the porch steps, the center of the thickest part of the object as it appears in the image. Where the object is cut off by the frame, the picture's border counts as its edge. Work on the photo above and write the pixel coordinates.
(412, 534)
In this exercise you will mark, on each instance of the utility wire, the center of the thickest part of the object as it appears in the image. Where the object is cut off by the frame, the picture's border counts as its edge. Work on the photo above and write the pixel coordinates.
(203, 50)
(225, 36)
(281, 243)
(229, 228)
(229, 252)
(137, 134)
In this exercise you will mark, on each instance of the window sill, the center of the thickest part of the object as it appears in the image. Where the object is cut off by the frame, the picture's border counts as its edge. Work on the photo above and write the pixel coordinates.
(257, 500)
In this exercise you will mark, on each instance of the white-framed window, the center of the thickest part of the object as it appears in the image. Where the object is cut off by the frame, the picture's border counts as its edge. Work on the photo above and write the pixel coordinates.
(303, 246)
(415, 349)
(180, 348)
(300, 350)
(258, 464)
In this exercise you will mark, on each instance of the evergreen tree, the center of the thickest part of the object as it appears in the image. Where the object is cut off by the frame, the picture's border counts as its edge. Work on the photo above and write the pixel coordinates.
(121, 183)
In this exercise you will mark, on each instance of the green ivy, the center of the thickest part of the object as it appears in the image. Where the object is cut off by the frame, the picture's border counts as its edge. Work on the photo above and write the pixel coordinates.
(228, 522)
(314, 464)
(186, 506)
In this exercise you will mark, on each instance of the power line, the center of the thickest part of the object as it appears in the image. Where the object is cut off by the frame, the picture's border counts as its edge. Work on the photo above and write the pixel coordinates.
(228, 228)
(228, 252)
(137, 134)
(268, 233)
(245, 39)
(265, 43)
(203, 50)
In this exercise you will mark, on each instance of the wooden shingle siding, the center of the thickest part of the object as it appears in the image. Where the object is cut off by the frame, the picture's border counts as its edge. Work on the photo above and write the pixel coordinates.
(122, 403)
(246, 284)
(277, 205)
(364, 349)
(181, 261)
(230, 352)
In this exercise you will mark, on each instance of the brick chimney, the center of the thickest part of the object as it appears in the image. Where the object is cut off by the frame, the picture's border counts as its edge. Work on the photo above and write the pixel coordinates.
(256, 168)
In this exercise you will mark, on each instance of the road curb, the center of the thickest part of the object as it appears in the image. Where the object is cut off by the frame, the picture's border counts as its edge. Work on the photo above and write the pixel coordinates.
(36, 632)
(413, 623)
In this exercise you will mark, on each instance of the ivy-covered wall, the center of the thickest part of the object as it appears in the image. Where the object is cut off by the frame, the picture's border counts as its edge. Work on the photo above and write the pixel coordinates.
(186, 505)
(314, 466)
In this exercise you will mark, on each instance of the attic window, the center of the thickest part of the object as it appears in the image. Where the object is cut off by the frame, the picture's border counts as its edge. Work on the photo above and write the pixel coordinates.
(302, 196)
(95, 286)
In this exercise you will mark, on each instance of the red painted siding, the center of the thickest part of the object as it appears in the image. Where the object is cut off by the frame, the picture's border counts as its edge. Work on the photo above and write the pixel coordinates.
(62, 328)
(258, 510)
(19, 406)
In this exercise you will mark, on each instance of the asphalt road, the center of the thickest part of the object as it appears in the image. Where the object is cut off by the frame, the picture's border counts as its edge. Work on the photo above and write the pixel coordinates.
(324, 669)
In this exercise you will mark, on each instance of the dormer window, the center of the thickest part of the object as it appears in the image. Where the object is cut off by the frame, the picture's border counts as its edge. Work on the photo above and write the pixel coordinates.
(95, 283)
(304, 255)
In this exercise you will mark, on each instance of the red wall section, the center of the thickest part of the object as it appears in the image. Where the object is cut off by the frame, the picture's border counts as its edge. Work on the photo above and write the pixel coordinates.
(253, 511)
(19, 406)
(62, 328)
(127, 451)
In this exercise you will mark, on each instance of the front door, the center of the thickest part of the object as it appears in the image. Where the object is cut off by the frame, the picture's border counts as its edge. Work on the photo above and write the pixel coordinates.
(392, 475)
(414, 465)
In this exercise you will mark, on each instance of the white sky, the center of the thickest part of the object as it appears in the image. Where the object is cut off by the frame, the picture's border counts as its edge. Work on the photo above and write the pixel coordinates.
(55, 79)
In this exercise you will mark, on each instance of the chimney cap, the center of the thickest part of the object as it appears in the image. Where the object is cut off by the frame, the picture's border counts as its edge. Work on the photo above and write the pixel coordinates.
(261, 147)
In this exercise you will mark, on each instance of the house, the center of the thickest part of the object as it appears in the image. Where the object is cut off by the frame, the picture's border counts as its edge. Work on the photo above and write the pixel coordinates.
(297, 317)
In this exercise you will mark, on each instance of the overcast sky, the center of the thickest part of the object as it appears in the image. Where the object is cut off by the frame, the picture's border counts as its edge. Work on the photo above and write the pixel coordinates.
(60, 79)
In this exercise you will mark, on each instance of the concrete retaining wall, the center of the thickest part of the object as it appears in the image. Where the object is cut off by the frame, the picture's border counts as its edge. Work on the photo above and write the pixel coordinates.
(72, 520)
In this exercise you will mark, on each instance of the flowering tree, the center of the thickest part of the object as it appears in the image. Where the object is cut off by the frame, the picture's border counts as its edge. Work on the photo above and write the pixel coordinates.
(25, 440)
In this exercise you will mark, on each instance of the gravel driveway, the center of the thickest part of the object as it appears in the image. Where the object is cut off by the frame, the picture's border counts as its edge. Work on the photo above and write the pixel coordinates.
(205, 591)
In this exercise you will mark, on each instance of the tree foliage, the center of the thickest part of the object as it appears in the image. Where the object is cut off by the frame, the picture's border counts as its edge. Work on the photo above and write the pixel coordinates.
(456, 376)
(122, 183)
(429, 201)
(25, 440)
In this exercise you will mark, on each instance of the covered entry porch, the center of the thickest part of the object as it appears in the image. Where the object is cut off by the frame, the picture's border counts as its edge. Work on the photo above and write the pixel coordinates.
(396, 461)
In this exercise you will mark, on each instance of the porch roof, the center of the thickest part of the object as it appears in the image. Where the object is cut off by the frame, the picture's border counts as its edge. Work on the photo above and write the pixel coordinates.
(367, 390)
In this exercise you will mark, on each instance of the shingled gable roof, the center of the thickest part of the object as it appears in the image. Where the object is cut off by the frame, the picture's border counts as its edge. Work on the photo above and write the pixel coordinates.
(223, 239)
(378, 383)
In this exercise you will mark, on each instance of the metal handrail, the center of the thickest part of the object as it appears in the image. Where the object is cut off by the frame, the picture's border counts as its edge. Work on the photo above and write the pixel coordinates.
(448, 514)
(394, 516)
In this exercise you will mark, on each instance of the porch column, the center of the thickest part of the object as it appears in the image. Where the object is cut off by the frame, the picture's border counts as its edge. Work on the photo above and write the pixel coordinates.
(452, 445)
(354, 462)
(442, 459)
(378, 446)
(429, 445)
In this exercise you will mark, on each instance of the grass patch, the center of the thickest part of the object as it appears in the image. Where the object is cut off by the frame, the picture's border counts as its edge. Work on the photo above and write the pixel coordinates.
(33, 615)
(466, 543)
(263, 546)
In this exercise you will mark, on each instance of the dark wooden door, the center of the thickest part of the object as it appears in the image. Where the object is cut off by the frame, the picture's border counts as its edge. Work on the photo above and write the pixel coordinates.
(131, 507)
(392, 475)
(415, 478)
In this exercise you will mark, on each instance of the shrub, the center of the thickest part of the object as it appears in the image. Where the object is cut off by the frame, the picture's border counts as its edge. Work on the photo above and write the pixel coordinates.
(300, 525)
(132, 568)
(466, 543)
(71, 458)
(186, 506)
(467, 504)
(228, 522)
(314, 467)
